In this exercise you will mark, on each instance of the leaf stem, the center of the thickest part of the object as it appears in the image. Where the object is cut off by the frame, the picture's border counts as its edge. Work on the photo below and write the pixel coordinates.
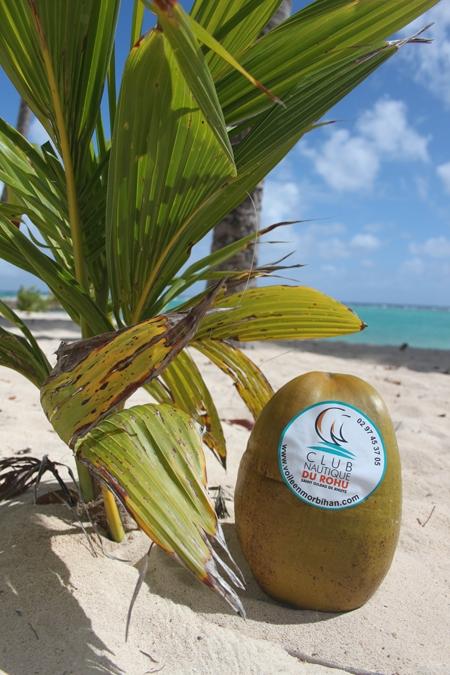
(112, 515)
(72, 203)
(64, 145)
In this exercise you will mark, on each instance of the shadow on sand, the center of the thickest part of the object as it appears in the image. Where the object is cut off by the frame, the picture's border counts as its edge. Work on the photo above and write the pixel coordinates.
(49, 327)
(43, 628)
(422, 360)
(167, 578)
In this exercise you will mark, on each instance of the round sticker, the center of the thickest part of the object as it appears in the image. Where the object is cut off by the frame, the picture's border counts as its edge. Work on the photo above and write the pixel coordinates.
(331, 455)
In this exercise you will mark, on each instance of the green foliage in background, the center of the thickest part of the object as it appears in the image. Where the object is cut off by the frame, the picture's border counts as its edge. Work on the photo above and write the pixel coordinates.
(30, 299)
(117, 219)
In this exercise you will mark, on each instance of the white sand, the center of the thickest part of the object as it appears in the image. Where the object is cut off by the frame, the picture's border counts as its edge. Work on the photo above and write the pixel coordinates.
(63, 610)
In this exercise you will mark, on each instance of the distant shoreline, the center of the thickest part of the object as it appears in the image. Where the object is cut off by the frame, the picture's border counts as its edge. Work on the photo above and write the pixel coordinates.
(388, 325)
(394, 305)
(58, 325)
(9, 295)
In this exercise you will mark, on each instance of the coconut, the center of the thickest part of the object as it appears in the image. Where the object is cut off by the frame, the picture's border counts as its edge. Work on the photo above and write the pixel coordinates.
(318, 495)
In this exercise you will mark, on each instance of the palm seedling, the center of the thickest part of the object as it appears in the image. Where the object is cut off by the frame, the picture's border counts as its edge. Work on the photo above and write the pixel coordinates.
(116, 221)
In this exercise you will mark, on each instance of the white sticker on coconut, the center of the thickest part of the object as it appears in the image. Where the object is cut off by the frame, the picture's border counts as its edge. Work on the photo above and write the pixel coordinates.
(332, 456)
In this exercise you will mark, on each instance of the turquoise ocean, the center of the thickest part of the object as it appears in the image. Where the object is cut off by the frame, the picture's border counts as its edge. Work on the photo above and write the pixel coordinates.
(424, 327)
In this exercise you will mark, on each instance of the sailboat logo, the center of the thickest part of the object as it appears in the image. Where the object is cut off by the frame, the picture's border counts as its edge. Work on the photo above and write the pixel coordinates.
(329, 426)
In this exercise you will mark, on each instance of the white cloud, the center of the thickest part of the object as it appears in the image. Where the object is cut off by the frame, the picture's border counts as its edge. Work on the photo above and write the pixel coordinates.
(430, 64)
(344, 161)
(285, 198)
(325, 241)
(386, 125)
(435, 247)
(310, 242)
(281, 201)
(351, 161)
(37, 133)
(443, 171)
(365, 241)
(326, 244)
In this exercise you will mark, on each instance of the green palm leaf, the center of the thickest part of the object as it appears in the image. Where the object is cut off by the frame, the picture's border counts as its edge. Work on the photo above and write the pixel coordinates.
(272, 135)
(191, 62)
(165, 161)
(22, 353)
(236, 24)
(16, 353)
(19, 250)
(36, 183)
(159, 242)
(57, 55)
(312, 40)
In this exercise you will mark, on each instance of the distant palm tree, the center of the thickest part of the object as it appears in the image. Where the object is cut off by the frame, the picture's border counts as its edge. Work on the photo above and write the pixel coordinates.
(23, 127)
(23, 118)
(246, 218)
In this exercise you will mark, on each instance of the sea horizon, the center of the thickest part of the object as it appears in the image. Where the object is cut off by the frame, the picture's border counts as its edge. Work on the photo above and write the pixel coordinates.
(396, 305)
(350, 303)
(392, 324)
(388, 324)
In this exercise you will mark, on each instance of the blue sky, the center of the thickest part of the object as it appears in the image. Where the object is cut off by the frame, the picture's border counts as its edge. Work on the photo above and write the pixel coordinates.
(375, 186)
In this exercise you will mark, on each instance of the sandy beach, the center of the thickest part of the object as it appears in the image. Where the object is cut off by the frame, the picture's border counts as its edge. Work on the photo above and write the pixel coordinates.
(63, 610)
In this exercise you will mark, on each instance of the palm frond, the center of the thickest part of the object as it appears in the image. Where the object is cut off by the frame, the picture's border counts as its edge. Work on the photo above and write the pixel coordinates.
(251, 384)
(152, 458)
(189, 392)
(96, 375)
(277, 313)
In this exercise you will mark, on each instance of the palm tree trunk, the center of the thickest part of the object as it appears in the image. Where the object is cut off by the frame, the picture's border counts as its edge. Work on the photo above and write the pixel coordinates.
(23, 118)
(23, 127)
(246, 218)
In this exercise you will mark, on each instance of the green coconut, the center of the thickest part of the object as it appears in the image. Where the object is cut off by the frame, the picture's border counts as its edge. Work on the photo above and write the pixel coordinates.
(318, 495)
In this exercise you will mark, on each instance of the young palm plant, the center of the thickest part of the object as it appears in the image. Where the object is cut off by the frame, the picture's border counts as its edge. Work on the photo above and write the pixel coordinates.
(117, 220)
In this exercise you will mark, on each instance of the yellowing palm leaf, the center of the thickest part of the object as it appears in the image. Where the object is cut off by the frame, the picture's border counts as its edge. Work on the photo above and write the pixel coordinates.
(166, 495)
(94, 376)
(277, 313)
